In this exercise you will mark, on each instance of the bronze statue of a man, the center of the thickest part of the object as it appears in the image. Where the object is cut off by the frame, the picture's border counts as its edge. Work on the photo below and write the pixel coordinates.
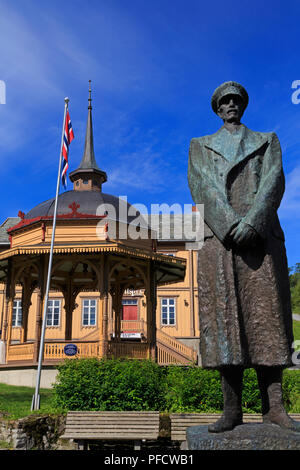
(243, 284)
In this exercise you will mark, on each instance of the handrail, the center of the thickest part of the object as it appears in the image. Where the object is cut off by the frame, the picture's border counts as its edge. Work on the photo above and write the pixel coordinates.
(176, 345)
(169, 350)
(20, 352)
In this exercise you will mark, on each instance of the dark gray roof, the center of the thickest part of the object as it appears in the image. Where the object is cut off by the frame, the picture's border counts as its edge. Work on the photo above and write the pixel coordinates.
(166, 227)
(8, 223)
(89, 202)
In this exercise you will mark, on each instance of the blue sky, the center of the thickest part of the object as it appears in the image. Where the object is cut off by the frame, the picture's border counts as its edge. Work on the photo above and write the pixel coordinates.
(154, 66)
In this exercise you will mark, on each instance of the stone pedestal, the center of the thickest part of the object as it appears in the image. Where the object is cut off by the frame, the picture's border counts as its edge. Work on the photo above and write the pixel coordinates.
(244, 437)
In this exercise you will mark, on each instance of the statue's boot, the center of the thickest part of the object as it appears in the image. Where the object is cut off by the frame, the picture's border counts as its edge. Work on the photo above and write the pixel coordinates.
(273, 412)
(231, 380)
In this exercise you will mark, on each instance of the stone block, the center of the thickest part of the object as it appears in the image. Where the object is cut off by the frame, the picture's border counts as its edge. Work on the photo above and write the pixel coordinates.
(244, 437)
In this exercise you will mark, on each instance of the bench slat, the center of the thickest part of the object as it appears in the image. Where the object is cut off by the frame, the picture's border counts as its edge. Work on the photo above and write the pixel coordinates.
(114, 427)
(113, 413)
(111, 425)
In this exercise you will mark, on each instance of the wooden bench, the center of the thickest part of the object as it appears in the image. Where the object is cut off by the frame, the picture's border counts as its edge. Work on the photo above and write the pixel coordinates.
(137, 426)
(181, 421)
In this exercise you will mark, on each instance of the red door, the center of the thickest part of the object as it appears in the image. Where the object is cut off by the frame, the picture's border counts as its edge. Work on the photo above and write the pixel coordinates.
(130, 311)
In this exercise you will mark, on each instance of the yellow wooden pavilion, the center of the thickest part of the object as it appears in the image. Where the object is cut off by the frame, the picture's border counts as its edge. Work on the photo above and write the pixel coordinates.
(91, 254)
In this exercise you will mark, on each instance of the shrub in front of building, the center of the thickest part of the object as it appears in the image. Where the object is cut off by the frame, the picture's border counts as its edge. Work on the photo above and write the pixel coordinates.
(291, 390)
(109, 385)
(196, 390)
(193, 389)
(136, 385)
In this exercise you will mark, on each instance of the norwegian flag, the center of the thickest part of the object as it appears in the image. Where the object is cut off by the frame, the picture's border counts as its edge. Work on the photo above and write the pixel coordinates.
(68, 137)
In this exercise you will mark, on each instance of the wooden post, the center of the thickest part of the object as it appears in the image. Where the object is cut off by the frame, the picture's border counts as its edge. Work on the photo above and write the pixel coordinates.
(105, 325)
(70, 293)
(100, 327)
(151, 311)
(7, 297)
(103, 307)
(38, 325)
(39, 307)
(9, 330)
(11, 294)
(118, 312)
(26, 302)
(24, 330)
(5, 319)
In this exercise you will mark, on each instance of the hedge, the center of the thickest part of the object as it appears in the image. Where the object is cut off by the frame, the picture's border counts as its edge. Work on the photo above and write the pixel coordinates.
(109, 385)
(124, 385)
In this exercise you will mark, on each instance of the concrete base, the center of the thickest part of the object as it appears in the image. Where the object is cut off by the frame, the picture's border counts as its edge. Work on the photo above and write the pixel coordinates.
(26, 376)
(244, 437)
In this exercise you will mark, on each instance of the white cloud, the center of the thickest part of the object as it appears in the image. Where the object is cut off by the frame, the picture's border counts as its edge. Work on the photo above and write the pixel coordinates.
(141, 170)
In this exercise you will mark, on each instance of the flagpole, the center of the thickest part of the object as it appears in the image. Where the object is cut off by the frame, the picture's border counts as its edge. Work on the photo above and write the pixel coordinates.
(36, 397)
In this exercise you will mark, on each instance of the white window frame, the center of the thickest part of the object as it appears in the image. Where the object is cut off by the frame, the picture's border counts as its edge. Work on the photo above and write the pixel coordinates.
(88, 304)
(129, 301)
(17, 313)
(167, 304)
(53, 304)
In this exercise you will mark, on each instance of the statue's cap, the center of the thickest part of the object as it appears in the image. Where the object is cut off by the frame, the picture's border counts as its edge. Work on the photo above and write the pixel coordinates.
(228, 88)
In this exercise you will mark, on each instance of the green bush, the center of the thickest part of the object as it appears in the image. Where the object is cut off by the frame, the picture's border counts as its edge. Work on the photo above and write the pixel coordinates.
(124, 385)
(251, 401)
(92, 384)
(192, 389)
(291, 390)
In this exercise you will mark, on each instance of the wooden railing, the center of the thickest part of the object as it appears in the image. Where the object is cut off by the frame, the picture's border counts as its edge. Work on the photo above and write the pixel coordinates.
(135, 326)
(138, 326)
(171, 351)
(20, 352)
(166, 356)
(52, 351)
(128, 349)
(85, 349)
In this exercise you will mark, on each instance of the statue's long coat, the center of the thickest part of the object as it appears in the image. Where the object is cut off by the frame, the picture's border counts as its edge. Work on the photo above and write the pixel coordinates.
(244, 295)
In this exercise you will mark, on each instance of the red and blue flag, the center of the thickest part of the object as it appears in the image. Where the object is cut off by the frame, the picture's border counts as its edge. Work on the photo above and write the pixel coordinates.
(68, 137)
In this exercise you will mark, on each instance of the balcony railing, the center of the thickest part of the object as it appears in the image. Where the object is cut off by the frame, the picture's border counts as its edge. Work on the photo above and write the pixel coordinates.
(128, 350)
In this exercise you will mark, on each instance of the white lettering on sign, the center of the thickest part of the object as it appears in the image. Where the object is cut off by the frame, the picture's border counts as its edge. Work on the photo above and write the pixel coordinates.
(133, 292)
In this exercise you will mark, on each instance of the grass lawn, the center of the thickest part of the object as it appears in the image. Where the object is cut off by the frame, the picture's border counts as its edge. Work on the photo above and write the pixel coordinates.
(15, 402)
(296, 329)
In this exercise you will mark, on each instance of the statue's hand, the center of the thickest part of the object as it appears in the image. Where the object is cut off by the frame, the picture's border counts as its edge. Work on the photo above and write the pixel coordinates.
(244, 235)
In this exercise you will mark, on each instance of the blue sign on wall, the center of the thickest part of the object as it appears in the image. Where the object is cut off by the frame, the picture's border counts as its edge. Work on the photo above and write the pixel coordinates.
(70, 349)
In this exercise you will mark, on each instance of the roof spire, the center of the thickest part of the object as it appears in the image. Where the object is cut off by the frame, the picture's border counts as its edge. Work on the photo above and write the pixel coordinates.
(90, 95)
(88, 165)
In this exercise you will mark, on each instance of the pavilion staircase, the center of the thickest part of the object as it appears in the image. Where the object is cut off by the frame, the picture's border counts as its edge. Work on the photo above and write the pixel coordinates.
(172, 351)
(169, 350)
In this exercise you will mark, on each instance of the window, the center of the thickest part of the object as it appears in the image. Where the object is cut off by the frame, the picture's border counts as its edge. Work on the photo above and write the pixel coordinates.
(53, 312)
(129, 302)
(168, 311)
(89, 312)
(17, 313)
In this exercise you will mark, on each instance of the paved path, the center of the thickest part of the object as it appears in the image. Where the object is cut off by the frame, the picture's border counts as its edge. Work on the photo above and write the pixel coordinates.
(296, 316)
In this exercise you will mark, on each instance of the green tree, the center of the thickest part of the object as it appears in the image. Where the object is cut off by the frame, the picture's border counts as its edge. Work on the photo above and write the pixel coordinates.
(294, 275)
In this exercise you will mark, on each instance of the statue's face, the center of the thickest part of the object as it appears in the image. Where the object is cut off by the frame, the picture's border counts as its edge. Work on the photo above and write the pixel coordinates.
(231, 108)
